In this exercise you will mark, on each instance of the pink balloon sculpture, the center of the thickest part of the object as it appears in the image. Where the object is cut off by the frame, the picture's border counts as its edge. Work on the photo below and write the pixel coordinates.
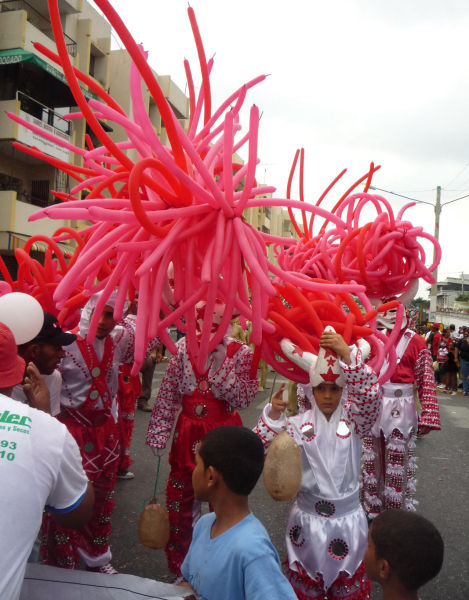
(177, 207)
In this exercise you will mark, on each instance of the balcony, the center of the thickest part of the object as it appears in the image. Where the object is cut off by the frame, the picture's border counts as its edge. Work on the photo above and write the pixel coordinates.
(38, 20)
(44, 114)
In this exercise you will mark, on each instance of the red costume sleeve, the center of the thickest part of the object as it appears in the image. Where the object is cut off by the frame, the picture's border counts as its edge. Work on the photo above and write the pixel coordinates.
(232, 382)
(363, 393)
(167, 403)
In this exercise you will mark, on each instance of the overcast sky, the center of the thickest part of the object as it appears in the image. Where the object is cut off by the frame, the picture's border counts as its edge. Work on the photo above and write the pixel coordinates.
(351, 81)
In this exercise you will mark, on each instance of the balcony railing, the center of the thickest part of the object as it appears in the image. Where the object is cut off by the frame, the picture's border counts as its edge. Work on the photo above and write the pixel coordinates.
(43, 113)
(39, 21)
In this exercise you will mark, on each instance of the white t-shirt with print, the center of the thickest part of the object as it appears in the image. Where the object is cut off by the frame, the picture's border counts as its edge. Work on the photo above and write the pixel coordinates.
(40, 465)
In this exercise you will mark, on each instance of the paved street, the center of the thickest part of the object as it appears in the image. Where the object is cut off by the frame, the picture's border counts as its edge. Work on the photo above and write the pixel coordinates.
(442, 492)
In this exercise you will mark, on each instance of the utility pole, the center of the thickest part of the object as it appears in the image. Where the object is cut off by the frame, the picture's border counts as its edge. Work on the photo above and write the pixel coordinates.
(434, 288)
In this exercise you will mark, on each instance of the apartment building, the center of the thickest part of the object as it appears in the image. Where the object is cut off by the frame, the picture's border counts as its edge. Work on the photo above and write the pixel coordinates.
(35, 88)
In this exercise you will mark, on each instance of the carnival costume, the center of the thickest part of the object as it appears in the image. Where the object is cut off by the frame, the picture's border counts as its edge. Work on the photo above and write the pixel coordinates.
(89, 410)
(207, 400)
(327, 529)
(129, 389)
(389, 462)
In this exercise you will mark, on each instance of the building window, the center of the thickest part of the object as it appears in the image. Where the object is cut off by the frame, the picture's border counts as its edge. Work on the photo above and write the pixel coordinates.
(40, 192)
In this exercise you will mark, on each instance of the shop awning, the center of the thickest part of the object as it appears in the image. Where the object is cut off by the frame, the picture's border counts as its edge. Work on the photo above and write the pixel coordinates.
(18, 55)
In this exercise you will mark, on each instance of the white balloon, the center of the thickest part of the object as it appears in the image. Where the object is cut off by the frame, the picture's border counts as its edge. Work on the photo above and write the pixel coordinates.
(22, 314)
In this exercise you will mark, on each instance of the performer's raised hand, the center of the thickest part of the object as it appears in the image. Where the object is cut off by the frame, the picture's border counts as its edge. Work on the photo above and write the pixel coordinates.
(35, 389)
(278, 405)
(334, 341)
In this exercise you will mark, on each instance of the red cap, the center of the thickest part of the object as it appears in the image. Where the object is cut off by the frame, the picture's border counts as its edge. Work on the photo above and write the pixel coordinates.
(11, 365)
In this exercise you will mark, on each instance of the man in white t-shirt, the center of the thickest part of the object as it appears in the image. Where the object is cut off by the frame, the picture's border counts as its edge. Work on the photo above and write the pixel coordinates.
(40, 466)
(46, 352)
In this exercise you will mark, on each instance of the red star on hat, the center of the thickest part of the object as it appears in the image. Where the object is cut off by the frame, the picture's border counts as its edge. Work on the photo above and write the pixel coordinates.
(297, 350)
(331, 361)
(329, 376)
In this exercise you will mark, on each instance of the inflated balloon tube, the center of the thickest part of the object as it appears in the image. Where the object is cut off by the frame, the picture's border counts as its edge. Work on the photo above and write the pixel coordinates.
(301, 316)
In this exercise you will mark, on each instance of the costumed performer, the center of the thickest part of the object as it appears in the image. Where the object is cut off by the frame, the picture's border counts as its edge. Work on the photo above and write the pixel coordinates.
(89, 410)
(389, 462)
(327, 528)
(41, 466)
(129, 389)
(207, 400)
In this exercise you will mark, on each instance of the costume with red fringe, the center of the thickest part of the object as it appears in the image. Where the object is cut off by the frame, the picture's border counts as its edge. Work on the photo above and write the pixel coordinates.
(206, 401)
(89, 410)
(389, 462)
(327, 531)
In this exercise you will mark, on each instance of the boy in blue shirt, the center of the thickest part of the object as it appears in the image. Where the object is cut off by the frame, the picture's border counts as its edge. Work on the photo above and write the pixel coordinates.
(231, 555)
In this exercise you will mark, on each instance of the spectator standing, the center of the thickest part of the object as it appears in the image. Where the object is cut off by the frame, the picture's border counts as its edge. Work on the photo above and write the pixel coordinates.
(463, 357)
(231, 556)
(40, 465)
(404, 552)
(46, 352)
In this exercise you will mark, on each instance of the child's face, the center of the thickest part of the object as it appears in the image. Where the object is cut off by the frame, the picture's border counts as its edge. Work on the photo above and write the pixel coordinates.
(327, 397)
(199, 478)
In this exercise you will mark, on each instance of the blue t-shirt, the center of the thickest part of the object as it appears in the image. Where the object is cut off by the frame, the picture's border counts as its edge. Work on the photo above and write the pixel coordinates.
(240, 563)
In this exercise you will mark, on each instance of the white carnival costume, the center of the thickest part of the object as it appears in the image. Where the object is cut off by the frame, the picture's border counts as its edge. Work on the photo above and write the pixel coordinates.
(389, 462)
(327, 529)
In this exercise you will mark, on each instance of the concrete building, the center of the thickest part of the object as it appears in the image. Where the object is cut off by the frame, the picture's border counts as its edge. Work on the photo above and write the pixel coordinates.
(449, 290)
(33, 87)
(273, 220)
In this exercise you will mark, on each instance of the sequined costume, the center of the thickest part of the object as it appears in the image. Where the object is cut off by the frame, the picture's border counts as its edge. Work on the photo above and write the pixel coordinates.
(389, 462)
(327, 529)
(129, 388)
(89, 410)
(206, 401)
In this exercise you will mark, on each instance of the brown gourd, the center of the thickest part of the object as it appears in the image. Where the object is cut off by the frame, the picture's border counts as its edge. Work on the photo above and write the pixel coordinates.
(153, 526)
(282, 468)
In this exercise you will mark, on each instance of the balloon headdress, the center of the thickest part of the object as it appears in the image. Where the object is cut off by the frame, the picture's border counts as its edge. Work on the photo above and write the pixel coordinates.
(323, 367)
(301, 316)
(181, 205)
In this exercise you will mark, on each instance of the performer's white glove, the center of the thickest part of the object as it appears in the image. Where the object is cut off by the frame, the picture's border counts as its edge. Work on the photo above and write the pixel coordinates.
(157, 451)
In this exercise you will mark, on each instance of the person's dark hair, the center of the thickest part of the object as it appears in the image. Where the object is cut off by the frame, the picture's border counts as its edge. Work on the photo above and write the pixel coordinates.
(411, 544)
(237, 454)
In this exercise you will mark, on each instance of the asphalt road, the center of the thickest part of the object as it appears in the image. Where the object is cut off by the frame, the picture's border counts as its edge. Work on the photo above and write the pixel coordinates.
(442, 492)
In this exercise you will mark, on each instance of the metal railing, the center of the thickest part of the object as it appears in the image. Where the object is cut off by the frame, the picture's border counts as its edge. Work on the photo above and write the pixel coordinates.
(43, 113)
(39, 21)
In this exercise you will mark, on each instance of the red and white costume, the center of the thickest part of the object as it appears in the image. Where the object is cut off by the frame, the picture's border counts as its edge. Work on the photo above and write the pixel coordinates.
(206, 401)
(129, 388)
(327, 530)
(389, 462)
(89, 410)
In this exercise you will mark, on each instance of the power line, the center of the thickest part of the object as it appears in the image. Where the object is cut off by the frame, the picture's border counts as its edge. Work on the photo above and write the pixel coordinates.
(454, 200)
(372, 187)
(459, 173)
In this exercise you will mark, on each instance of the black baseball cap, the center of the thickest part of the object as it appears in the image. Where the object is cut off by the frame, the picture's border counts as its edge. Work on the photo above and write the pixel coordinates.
(52, 333)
